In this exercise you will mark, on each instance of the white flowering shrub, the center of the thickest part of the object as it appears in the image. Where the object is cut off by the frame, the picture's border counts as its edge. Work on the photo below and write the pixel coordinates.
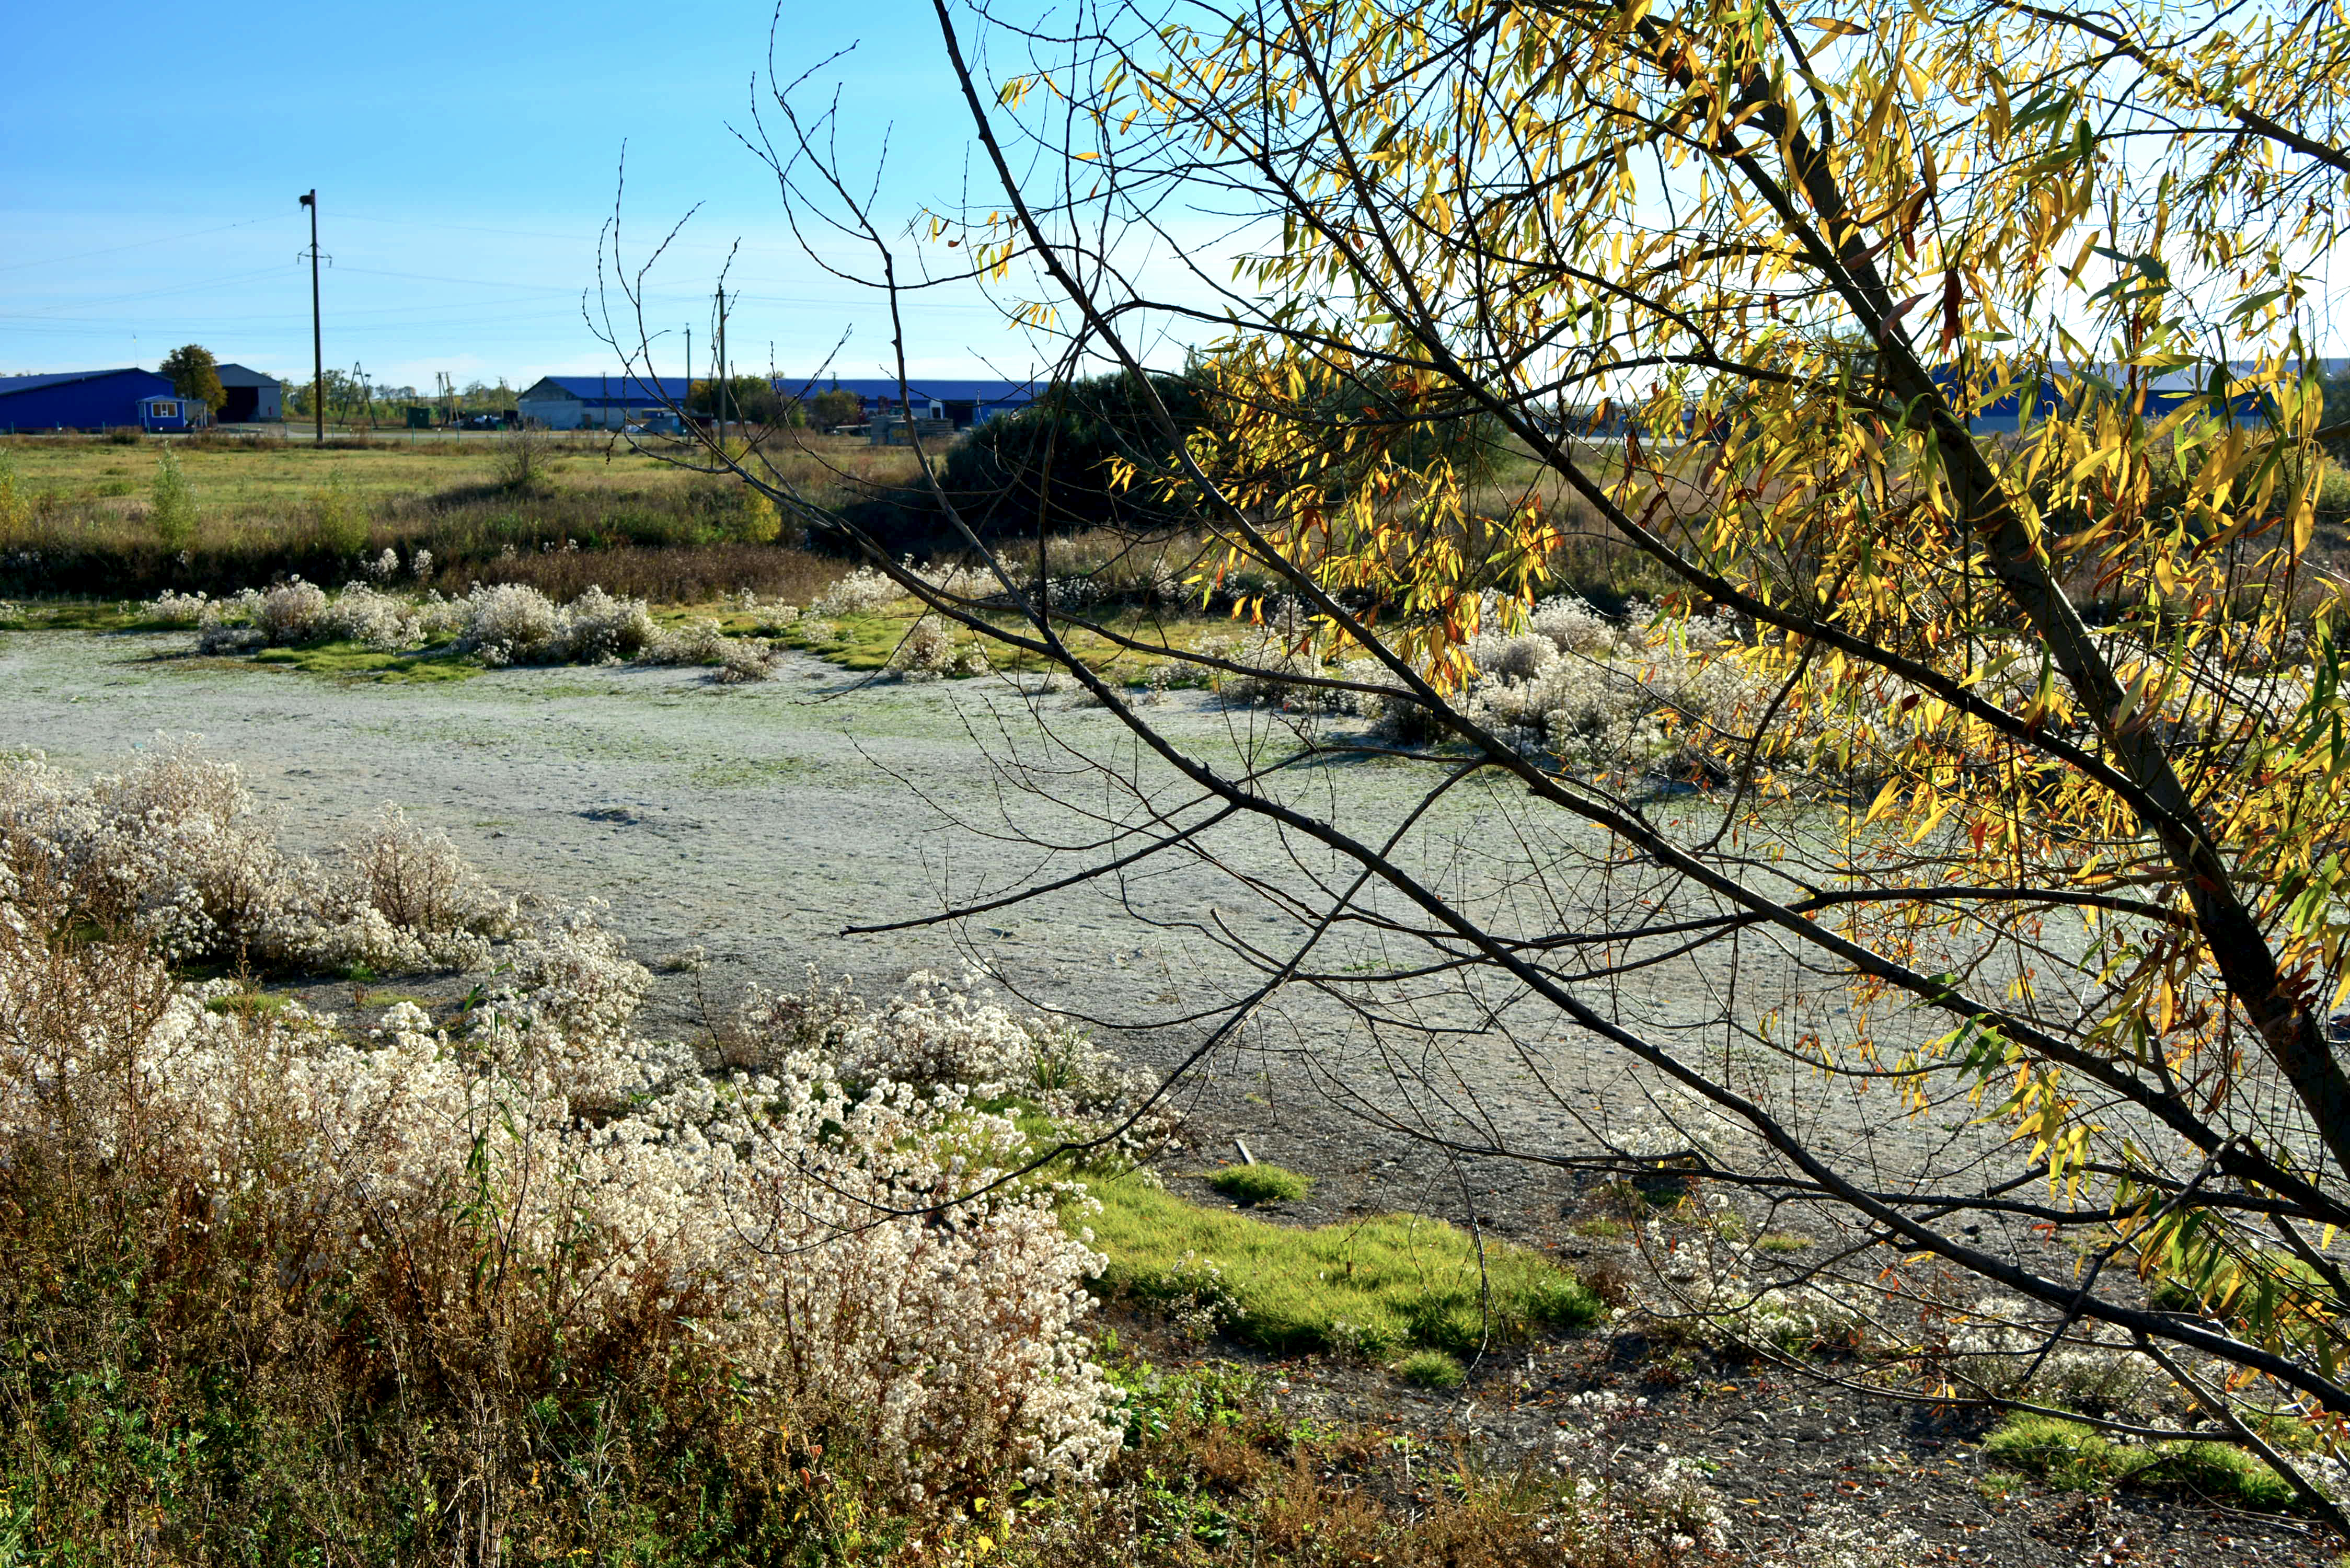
(542, 1168)
(862, 592)
(406, 900)
(695, 642)
(176, 854)
(171, 608)
(1996, 1349)
(292, 612)
(928, 649)
(229, 624)
(511, 623)
(938, 1034)
(363, 614)
(745, 660)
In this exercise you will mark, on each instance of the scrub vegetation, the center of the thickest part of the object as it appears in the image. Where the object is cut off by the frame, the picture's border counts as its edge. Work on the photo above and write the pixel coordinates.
(507, 1280)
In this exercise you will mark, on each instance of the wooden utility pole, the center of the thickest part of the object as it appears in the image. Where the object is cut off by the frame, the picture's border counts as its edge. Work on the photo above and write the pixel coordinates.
(318, 340)
(725, 382)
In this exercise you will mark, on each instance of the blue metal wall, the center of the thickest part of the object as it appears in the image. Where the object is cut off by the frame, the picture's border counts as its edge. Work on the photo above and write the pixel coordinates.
(96, 403)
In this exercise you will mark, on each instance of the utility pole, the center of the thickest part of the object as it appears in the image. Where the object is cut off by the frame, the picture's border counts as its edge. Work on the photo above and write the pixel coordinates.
(317, 341)
(725, 383)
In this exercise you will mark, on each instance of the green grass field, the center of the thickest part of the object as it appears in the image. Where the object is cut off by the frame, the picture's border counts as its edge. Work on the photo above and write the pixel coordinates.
(78, 517)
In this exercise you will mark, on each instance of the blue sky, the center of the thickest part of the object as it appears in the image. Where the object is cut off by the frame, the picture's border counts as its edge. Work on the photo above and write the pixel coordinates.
(151, 156)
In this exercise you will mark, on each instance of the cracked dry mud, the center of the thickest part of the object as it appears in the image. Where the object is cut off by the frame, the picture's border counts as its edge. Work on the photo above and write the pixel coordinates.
(760, 821)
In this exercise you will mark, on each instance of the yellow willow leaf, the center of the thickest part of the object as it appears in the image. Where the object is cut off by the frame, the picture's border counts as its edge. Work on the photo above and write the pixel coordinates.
(1885, 802)
(2135, 695)
(1942, 809)
(2301, 515)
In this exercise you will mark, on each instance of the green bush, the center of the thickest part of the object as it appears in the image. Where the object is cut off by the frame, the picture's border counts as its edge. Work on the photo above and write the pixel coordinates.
(171, 506)
(339, 519)
(1260, 1184)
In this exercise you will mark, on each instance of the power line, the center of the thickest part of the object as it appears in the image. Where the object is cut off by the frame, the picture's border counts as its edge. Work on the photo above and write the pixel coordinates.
(135, 245)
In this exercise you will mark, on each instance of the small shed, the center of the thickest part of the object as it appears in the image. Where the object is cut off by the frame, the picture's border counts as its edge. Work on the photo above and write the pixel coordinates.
(168, 412)
(252, 398)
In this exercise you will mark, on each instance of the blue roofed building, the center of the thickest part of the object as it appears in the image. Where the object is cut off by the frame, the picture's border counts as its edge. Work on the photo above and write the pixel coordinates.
(959, 401)
(616, 402)
(97, 401)
(600, 403)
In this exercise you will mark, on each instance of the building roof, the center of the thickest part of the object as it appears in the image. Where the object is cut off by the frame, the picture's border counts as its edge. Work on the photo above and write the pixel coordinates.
(944, 390)
(620, 388)
(627, 388)
(9, 384)
(242, 376)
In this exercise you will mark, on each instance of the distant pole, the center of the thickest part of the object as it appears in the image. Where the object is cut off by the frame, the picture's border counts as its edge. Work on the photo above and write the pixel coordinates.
(318, 340)
(726, 387)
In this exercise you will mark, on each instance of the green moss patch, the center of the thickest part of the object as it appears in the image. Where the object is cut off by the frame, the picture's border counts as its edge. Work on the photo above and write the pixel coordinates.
(2072, 1456)
(1375, 1286)
(353, 661)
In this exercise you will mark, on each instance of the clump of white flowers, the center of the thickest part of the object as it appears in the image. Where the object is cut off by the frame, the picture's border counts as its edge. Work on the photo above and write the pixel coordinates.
(862, 592)
(838, 1239)
(503, 624)
(1615, 1483)
(1998, 1347)
(511, 624)
(955, 1038)
(865, 591)
(174, 852)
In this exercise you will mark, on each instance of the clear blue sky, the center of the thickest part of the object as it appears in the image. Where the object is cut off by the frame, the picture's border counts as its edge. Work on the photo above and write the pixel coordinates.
(465, 156)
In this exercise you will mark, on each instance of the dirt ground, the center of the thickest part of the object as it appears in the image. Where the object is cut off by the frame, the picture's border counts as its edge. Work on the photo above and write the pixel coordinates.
(759, 821)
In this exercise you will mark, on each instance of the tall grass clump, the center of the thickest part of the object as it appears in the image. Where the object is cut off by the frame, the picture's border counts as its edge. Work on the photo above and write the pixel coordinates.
(337, 518)
(516, 1281)
(172, 506)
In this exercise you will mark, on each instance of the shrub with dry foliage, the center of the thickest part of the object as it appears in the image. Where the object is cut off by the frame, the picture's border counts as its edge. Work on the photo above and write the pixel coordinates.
(433, 1210)
(176, 853)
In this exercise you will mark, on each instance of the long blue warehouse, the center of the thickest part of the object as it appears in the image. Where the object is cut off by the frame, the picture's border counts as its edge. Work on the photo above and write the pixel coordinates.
(95, 401)
(608, 402)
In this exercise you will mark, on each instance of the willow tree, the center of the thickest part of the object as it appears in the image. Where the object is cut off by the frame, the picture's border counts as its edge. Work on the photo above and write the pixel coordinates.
(1976, 763)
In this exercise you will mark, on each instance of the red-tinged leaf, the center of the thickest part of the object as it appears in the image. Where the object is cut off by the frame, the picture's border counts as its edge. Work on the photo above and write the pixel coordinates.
(1952, 297)
(1885, 328)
